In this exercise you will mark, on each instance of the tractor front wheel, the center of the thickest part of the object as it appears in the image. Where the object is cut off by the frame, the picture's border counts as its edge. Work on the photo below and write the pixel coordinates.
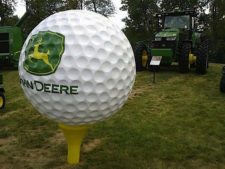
(184, 65)
(202, 58)
(2, 100)
(141, 57)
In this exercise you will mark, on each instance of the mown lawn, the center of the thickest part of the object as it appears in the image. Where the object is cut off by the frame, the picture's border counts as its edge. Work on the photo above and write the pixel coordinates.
(177, 123)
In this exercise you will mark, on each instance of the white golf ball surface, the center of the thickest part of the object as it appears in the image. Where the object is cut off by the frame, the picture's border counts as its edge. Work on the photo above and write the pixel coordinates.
(97, 58)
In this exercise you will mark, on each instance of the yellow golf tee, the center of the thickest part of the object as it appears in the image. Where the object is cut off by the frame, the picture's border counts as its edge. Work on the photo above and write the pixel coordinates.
(74, 136)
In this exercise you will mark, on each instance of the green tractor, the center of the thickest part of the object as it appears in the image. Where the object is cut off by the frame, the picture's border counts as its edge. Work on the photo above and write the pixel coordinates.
(179, 40)
(11, 41)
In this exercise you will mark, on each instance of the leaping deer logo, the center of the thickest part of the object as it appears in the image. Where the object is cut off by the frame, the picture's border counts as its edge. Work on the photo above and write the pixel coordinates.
(43, 53)
(40, 55)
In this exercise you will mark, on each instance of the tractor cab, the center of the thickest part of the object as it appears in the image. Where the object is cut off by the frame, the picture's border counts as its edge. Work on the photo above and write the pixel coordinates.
(180, 22)
(178, 19)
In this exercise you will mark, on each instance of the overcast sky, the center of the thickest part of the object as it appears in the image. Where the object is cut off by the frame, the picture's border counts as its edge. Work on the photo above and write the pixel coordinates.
(116, 18)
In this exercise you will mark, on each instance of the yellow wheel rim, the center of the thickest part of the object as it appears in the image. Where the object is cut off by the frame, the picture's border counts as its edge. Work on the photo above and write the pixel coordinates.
(1, 101)
(192, 58)
(144, 58)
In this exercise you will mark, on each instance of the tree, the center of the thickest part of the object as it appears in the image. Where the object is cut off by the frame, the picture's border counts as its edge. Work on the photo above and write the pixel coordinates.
(166, 5)
(6, 11)
(199, 5)
(140, 15)
(104, 7)
(71, 4)
(39, 10)
(217, 25)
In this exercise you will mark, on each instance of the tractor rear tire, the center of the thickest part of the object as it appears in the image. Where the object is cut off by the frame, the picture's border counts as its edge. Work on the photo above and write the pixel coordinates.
(202, 58)
(184, 65)
(141, 51)
(222, 81)
(2, 100)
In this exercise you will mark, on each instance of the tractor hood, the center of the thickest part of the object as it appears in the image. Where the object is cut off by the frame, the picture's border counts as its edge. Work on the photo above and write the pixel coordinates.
(172, 32)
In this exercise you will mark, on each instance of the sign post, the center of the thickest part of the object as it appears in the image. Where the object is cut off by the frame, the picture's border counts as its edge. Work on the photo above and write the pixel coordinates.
(155, 61)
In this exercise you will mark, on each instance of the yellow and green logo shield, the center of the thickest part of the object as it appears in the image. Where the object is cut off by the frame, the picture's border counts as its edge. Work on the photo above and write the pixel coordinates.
(43, 53)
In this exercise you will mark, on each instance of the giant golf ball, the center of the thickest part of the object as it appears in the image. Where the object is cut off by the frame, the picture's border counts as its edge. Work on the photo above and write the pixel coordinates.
(76, 67)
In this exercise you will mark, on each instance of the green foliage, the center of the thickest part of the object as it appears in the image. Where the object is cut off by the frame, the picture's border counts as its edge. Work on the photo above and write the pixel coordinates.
(168, 5)
(11, 21)
(171, 4)
(217, 33)
(6, 12)
(104, 7)
(140, 15)
(40, 9)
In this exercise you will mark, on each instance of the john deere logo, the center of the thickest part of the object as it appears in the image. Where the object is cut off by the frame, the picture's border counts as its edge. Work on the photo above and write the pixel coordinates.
(43, 53)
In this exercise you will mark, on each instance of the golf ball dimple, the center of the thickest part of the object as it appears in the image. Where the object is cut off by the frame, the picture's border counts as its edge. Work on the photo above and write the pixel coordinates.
(76, 67)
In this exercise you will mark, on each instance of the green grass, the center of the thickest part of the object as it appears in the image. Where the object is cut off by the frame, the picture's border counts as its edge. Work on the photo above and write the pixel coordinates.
(177, 123)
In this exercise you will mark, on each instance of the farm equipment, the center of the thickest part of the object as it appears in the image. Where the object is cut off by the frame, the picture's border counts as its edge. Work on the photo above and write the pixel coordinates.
(222, 81)
(2, 96)
(11, 41)
(178, 40)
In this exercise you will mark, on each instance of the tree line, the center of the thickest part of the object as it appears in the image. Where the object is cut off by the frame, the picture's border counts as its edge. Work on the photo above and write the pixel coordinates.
(40, 9)
(140, 24)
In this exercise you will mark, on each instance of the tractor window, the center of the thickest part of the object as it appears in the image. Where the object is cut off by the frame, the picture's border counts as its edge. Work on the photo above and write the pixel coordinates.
(177, 22)
(4, 43)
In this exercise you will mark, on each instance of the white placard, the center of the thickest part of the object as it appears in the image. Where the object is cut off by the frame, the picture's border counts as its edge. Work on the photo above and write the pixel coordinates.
(156, 60)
